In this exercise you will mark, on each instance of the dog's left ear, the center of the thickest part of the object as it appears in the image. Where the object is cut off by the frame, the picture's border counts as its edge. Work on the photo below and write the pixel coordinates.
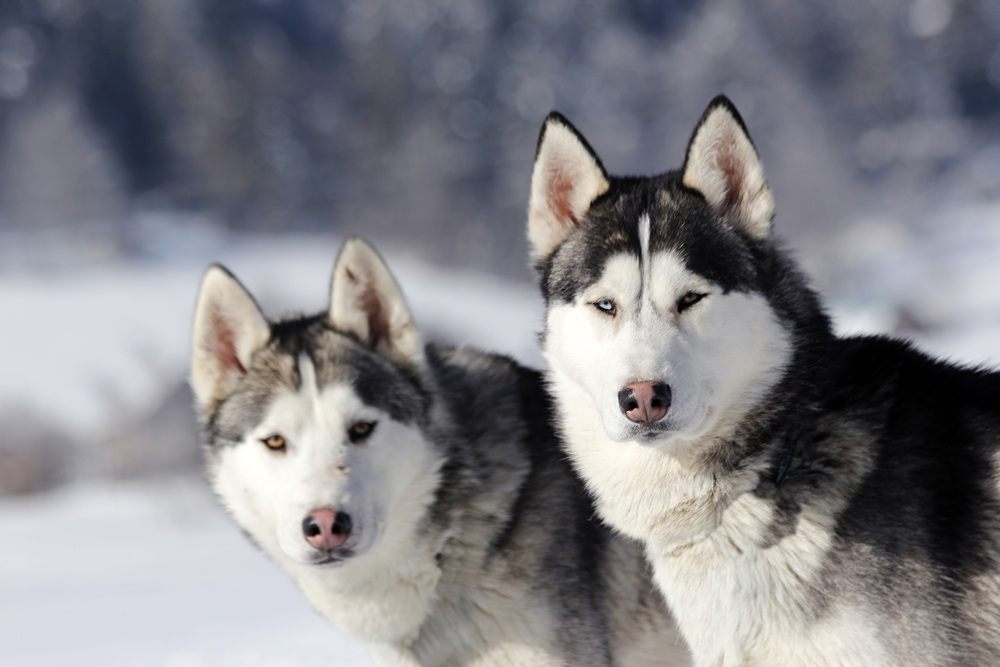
(567, 178)
(366, 301)
(722, 164)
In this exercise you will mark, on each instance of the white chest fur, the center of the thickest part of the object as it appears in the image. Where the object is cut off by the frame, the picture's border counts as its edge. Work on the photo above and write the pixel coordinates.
(737, 598)
(416, 614)
(387, 605)
(739, 603)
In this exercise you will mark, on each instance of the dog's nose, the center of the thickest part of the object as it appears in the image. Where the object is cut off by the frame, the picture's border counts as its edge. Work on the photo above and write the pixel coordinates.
(325, 529)
(644, 402)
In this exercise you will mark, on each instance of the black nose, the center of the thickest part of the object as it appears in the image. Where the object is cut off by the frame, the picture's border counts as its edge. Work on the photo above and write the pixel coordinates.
(644, 402)
(342, 524)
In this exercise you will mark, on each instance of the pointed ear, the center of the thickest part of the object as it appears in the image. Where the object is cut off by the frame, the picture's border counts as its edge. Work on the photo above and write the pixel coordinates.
(228, 329)
(567, 178)
(722, 164)
(366, 301)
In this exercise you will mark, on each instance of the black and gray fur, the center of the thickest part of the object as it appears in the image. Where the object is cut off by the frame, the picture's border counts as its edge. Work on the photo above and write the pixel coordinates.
(509, 517)
(897, 449)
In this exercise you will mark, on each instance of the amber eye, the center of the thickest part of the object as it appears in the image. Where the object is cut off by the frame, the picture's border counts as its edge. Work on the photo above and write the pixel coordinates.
(275, 442)
(360, 431)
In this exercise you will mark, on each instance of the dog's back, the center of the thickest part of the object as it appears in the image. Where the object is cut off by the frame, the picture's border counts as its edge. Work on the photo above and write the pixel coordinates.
(919, 538)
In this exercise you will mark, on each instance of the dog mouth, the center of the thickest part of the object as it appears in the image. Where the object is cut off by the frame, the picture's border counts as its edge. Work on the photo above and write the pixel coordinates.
(334, 557)
(648, 433)
(356, 546)
(656, 432)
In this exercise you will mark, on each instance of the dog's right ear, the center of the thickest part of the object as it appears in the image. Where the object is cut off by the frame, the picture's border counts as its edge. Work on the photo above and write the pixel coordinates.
(228, 329)
(567, 178)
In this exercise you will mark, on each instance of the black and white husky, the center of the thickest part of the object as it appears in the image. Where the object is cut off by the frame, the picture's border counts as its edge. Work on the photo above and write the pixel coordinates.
(417, 495)
(804, 499)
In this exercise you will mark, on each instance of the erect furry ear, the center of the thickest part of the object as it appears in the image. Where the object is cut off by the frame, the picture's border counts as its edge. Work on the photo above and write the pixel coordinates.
(366, 301)
(567, 178)
(228, 329)
(722, 164)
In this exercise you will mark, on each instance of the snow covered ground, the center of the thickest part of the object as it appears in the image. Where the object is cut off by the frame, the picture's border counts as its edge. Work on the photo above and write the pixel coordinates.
(150, 572)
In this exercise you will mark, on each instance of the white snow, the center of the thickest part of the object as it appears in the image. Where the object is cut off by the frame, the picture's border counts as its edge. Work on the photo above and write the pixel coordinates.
(152, 574)
(946, 275)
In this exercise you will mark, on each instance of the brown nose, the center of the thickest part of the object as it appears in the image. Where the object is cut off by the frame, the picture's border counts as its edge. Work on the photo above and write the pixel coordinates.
(325, 529)
(644, 402)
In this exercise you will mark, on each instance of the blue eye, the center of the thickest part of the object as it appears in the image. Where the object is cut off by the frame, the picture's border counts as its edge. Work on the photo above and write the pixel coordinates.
(606, 306)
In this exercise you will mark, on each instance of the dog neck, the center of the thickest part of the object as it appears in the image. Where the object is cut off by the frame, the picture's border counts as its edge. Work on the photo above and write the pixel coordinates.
(385, 595)
(677, 491)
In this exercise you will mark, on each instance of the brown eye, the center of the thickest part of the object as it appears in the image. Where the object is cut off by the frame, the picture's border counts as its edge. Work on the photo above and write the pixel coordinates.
(275, 442)
(360, 431)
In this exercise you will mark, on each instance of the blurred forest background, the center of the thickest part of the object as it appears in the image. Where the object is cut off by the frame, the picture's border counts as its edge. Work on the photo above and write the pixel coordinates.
(142, 139)
(417, 119)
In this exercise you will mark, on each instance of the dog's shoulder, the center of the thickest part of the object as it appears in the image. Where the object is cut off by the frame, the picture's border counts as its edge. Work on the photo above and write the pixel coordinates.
(933, 431)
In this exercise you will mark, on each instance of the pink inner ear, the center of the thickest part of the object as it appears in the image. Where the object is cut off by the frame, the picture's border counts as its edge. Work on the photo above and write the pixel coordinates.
(370, 304)
(378, 319)
(732, 171)
(560, 190)
(223, 343)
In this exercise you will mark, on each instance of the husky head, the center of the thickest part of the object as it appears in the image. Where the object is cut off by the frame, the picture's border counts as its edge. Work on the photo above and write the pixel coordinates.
(315, 427)
(663, 293)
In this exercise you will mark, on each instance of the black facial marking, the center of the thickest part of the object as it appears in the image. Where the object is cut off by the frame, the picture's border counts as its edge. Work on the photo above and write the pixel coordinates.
(336, 357)
(680, 221)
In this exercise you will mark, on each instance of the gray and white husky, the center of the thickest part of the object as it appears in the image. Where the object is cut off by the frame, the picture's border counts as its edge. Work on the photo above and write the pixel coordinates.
(416, 494)
(804, 499)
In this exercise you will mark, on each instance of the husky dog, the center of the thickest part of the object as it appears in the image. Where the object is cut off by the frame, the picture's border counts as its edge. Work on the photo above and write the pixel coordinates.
(417, 495)
(804, 499)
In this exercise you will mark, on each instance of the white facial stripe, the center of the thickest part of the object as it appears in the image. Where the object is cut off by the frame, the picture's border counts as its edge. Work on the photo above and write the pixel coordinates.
(392, 474)
(307, 377)
(658, 279)
(644, 251)
(719, 357)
